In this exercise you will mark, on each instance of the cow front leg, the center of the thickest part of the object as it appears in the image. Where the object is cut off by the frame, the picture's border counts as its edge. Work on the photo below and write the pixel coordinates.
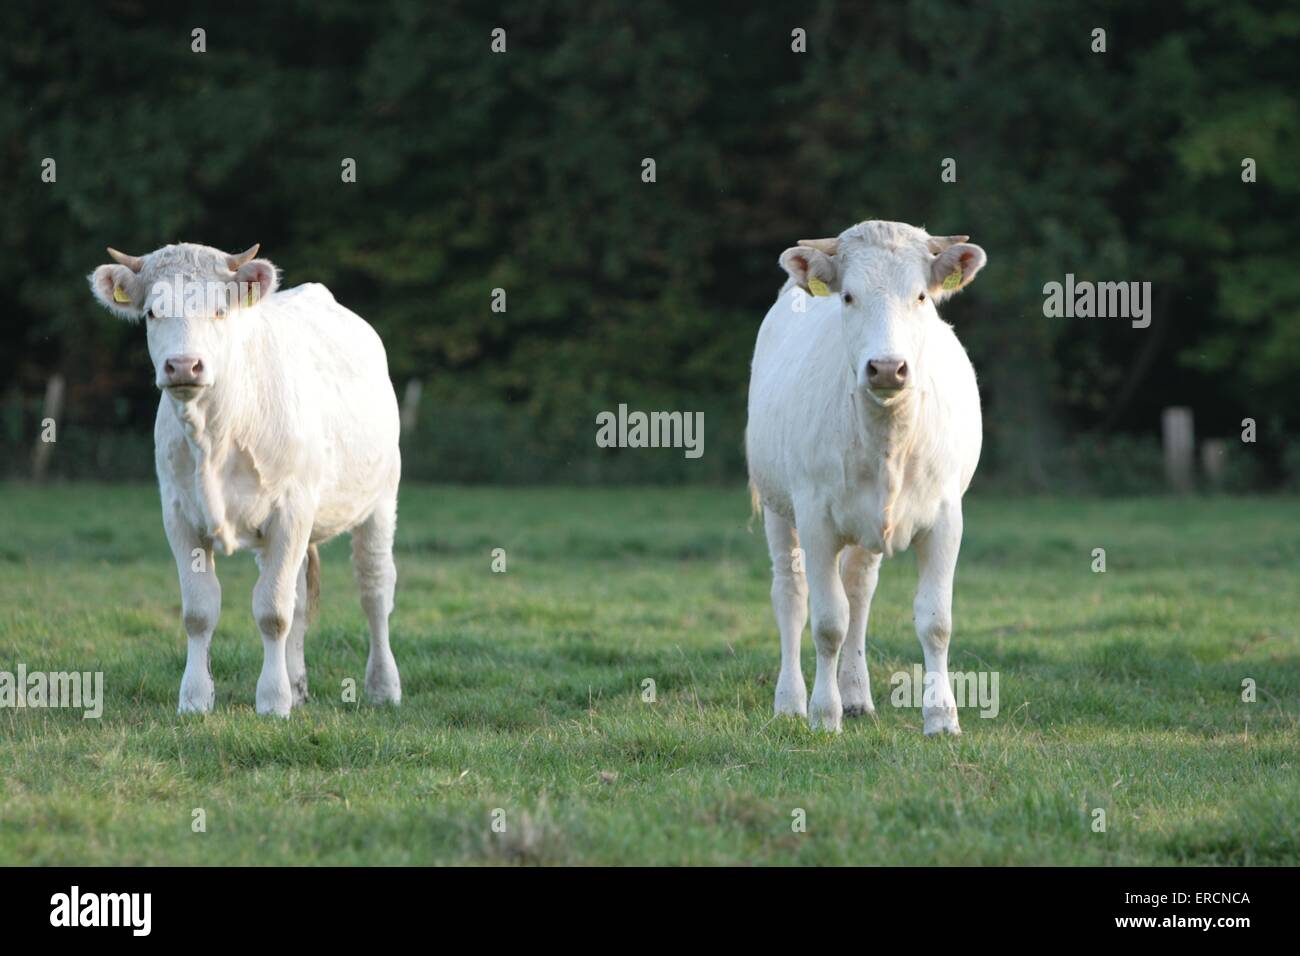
(275, 599)
(859, 571)
(790, 604)
(200, 610)
(830, 622)
(936, 556)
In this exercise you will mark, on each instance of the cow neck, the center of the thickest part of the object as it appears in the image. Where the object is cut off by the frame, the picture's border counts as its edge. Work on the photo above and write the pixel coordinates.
(199, 419)
(891, 434)
(214, 424)
(218, 420)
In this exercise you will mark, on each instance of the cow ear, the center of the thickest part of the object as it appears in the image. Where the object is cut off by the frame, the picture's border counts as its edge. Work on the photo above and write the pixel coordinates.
(257, 279)
(954, 268)
(119, 290)
(805, 263)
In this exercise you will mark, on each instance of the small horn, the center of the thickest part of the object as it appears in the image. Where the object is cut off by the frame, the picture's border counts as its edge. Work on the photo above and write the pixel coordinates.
(236, 261)
(937, 244)
(134, 263)
(827, 246)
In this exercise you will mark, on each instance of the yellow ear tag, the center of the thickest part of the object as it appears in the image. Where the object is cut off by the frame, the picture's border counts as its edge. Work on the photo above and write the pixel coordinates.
(952, 280)
(248, 299)
(817, 287)
(119, 295)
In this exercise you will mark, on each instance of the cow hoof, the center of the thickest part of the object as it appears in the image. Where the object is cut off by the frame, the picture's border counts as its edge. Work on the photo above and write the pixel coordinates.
(190, 705)
(859, 710)
(384, 694)
(826, 721)
(383, 683)
(938, 722)
(196, 697)
(944, 732)
(300, 692)
(274, 700)
(790, 707)
(791, 697)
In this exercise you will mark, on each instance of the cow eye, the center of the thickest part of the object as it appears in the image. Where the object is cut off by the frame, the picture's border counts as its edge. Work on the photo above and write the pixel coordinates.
(921, 297)
(153, 313)
(848, 298)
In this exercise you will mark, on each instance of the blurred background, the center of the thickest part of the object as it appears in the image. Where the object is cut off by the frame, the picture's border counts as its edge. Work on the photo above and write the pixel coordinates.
(523, 171)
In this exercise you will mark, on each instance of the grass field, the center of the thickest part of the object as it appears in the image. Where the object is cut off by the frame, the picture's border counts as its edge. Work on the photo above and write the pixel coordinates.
(1120, 691)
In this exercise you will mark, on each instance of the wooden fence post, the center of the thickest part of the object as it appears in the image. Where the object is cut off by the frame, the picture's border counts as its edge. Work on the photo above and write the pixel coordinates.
(411, 405)
(51, 411)
(1213, 455)
(1179, 442)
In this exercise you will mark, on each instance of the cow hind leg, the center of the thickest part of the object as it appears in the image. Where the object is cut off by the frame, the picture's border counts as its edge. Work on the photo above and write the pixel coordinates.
(859, 570)
(372, 559)
(790, 604)
(295, 657)
(936, 554)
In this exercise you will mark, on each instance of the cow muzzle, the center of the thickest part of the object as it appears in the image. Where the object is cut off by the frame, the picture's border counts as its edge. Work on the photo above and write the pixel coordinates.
(887, 377)
(184, 374)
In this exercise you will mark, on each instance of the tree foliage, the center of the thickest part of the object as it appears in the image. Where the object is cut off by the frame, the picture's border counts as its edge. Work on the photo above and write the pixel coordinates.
(521, 171)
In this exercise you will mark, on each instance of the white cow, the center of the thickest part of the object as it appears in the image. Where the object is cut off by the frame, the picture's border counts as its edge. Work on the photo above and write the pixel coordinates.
(864, 432)
(277, 430)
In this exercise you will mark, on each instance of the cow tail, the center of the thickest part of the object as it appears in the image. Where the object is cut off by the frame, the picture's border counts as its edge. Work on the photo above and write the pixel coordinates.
(313, 582)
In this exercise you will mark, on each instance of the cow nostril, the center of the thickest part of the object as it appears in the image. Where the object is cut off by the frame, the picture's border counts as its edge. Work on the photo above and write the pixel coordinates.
(169, 368)
(901, 371)
(198, 366)
(872, 371)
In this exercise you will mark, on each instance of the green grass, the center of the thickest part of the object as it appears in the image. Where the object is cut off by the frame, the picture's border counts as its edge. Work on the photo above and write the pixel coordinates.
(522, 692)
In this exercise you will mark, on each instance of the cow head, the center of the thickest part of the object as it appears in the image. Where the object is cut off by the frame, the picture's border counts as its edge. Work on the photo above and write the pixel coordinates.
(190, 297)
(888, 277)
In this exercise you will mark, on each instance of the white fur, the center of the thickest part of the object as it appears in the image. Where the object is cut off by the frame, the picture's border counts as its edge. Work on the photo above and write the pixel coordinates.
(861, 476)
(293, 440)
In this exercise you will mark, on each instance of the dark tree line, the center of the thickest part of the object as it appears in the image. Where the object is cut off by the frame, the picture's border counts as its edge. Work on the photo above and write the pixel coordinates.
(522, 171)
